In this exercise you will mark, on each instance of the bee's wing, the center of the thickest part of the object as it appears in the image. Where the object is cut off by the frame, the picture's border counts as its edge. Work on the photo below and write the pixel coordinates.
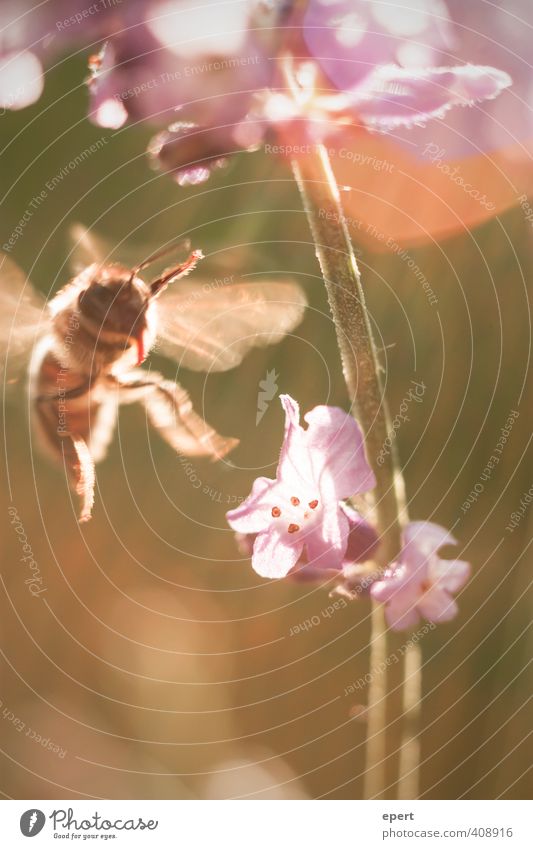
(211, 329)
(23, 315)
(88, 247)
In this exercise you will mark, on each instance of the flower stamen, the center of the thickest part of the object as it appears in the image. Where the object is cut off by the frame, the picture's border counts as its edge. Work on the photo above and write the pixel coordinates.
(276, 512)
(292, 529)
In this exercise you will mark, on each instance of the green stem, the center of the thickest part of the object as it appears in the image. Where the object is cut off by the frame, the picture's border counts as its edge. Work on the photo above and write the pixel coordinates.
(354, 334)
(375, 781)
(322, 203)
(409, 765)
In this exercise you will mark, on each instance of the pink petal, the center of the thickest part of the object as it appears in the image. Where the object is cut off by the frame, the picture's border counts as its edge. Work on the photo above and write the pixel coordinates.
(451, 575)
(383, 590)
(21, 79)
(421, 542)
(326, 542)
(399, 97)
(337, 454)
(349, 37)
(399, 616)
(254, 514)
(438, 606)
(194, 31)
(273, 555)
(428, 536)
(396, 584)
(191, 152)
(363, 539)
(294, 467)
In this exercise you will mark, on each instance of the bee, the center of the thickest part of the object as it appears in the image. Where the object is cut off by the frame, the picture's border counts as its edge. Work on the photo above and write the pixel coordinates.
(88, 342)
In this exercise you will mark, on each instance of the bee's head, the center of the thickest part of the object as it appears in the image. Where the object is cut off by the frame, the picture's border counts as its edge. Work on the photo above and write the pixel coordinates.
(114, 304)
(114, 301)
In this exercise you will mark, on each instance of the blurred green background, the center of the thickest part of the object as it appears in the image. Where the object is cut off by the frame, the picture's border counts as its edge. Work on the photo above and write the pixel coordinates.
(156, 659)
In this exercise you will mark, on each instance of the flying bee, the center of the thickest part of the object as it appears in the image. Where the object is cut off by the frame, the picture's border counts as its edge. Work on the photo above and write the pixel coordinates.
(89, 340)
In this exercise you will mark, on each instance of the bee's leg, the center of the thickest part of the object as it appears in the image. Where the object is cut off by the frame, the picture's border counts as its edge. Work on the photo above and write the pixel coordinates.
(170, 411)
(81, 467)
(73, 448)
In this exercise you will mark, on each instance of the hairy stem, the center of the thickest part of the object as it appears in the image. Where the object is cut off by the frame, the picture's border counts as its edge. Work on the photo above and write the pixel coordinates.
(354, 334)
(342, 278)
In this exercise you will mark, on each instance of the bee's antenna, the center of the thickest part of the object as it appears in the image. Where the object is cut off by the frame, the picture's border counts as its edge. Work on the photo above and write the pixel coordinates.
(157, 255)
(175, 273)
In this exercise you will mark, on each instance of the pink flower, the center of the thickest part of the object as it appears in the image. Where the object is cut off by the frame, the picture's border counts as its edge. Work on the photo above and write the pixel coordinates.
(191, 69)
(302, 112)
(415, 60)
(395, 61)
(369, 66)
(33, 32)
(301, 509)
(349, 39)
(420, 583)
(363, 542)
